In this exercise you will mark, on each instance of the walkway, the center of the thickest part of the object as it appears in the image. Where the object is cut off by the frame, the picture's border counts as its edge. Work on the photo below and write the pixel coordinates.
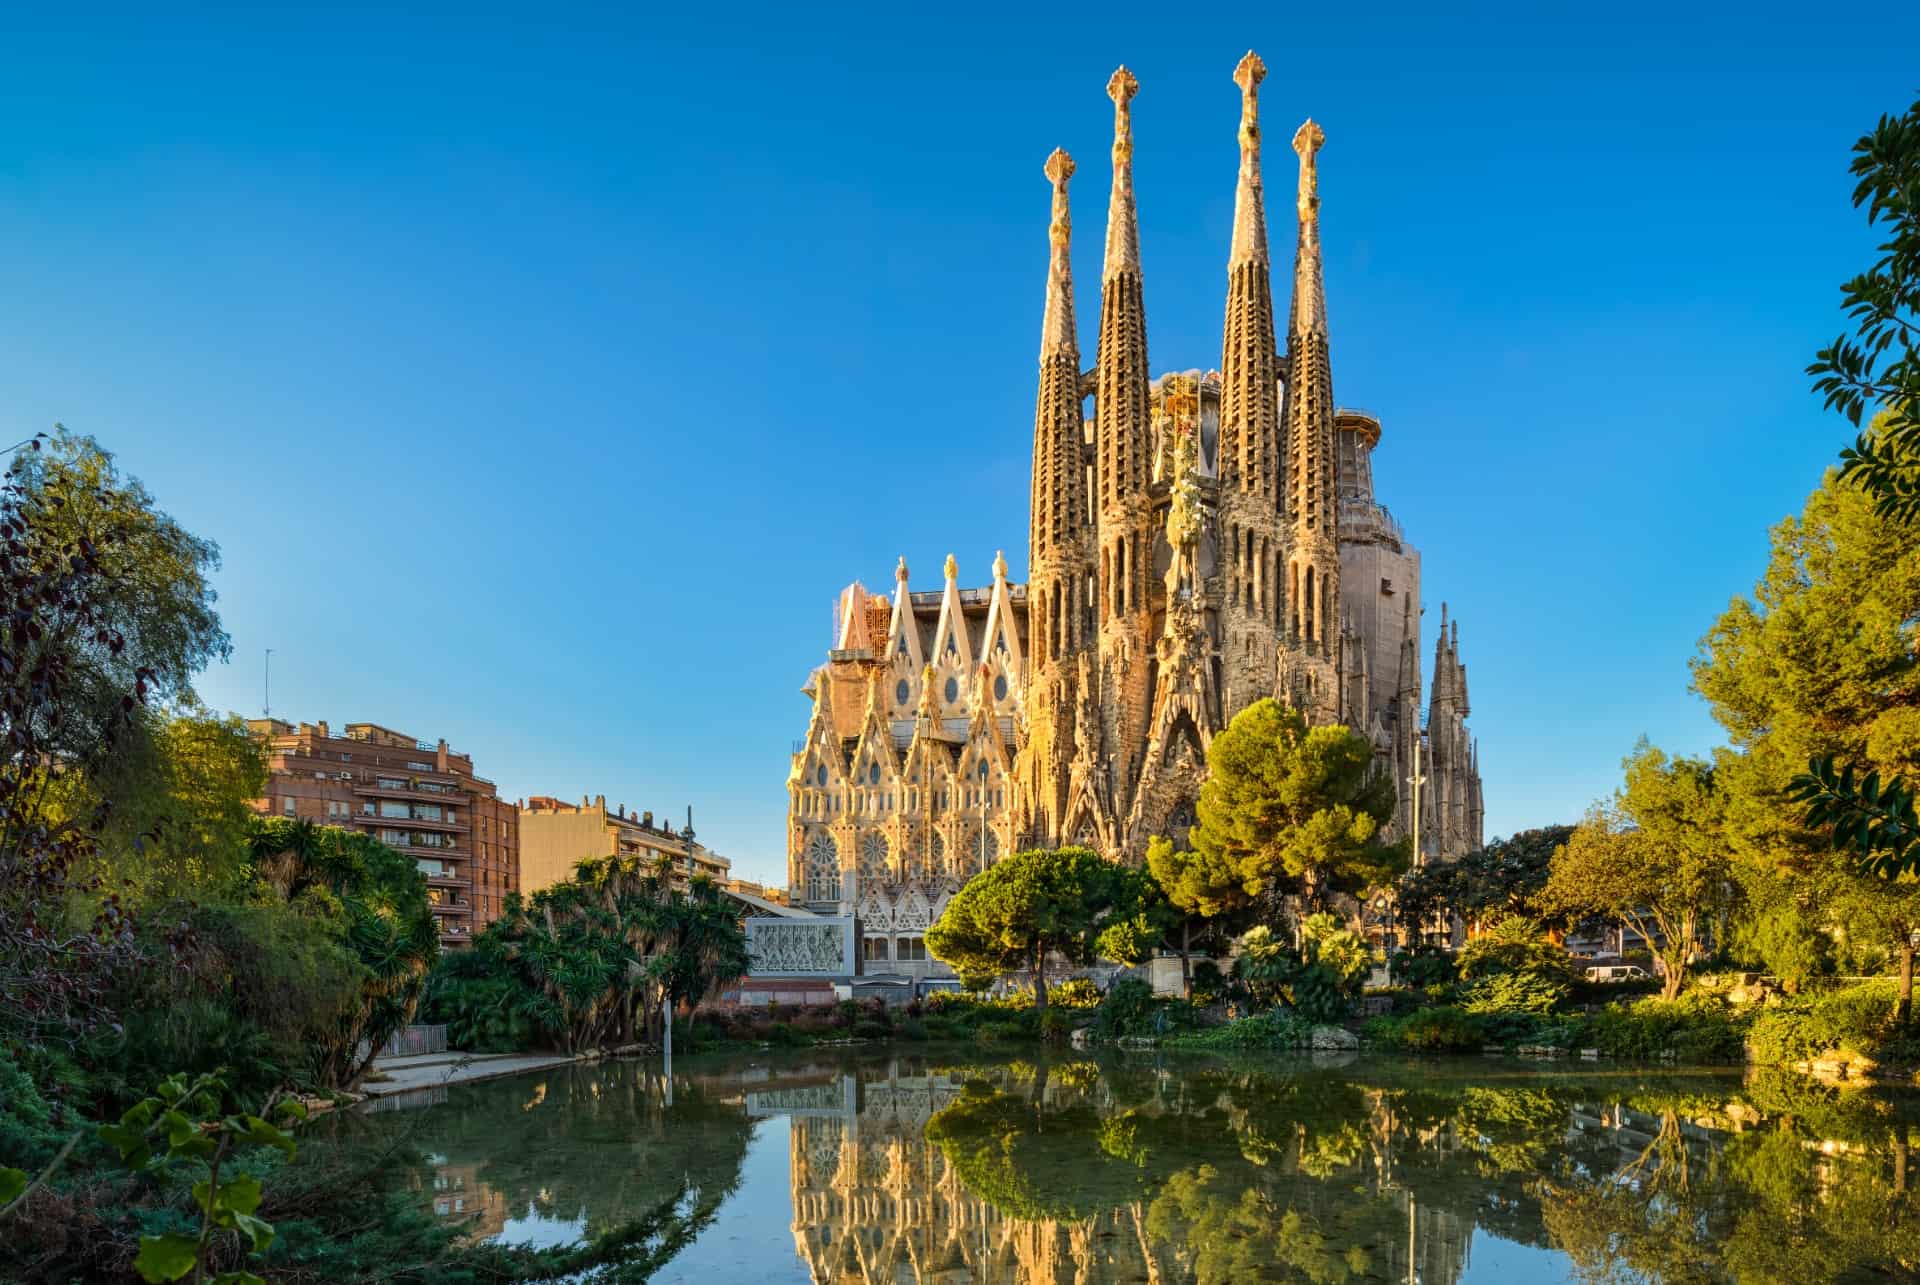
(434, 1070)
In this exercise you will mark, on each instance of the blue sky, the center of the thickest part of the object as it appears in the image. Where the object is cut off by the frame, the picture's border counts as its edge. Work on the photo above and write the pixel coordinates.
(543, 374)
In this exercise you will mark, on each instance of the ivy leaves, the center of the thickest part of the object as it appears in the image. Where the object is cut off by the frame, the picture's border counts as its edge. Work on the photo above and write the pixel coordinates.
(164, 1128)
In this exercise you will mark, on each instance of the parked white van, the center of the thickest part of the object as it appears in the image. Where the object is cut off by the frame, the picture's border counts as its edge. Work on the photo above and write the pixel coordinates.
(1617, 973)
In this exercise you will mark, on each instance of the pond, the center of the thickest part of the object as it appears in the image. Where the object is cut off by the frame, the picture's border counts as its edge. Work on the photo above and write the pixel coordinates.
(874, 1165)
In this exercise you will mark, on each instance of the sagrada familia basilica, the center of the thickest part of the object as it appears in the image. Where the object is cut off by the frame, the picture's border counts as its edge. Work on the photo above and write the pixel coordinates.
(1198, 541)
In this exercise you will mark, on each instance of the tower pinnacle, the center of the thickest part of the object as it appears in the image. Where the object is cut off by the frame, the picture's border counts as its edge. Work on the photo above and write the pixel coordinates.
(1056, 329)
(1309, 290)
(1123, 223)
(1249, 204)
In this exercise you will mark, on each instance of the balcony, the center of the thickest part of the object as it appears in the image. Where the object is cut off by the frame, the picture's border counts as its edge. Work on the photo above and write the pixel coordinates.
(413, 823)
(454, 792)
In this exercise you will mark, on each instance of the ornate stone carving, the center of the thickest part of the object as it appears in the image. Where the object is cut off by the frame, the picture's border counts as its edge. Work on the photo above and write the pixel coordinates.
(799, 947)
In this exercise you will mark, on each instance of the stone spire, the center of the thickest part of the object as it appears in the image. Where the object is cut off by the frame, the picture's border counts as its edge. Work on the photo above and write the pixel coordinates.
(1249, 201)
(1313, 513)
(1123, 223)
(1122, 406)
(1059, 518)
(1249, 420)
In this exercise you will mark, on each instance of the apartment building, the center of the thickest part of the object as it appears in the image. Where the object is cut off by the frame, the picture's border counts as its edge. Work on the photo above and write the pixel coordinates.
(415, 796)
(555, 836)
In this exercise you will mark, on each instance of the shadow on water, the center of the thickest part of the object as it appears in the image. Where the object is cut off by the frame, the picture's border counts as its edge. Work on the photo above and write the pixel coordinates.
(965, 1167)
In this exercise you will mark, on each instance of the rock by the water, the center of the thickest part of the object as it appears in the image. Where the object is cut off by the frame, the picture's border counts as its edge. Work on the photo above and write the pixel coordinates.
(1332, 1037)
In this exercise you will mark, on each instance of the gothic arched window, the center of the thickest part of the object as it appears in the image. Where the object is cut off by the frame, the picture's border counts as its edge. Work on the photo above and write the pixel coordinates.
(823, 868)
(873, 857)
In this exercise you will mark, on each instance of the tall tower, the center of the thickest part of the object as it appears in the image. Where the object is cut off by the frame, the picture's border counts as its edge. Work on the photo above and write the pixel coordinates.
(1122, 438)
(1313, 514)
(1250, 534)
(1059, 601)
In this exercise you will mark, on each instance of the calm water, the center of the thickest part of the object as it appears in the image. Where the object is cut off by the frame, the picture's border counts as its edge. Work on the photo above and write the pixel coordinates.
(966, 1168)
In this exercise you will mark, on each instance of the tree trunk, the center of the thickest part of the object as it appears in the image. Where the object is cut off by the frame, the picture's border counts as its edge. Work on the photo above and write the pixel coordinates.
(1186, 959)
(1040, 978)
(1670, 984)
(1904, 1009)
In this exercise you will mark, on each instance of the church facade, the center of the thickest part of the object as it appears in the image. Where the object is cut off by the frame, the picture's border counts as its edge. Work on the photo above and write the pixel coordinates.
(1198, 540)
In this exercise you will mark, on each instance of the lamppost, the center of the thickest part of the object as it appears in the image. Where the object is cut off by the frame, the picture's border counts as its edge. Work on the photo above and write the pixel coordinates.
(1418, 779)
(666, 999)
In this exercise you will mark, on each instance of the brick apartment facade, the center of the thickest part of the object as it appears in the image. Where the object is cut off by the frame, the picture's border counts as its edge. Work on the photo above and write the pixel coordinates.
(417, 797)
(556, 835)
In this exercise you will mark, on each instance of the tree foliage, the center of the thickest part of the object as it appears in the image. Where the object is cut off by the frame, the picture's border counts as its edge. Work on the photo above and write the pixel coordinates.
(1655, 858)
(1289, 810)
(1878, 364)
(1069, 902)
(589, 962)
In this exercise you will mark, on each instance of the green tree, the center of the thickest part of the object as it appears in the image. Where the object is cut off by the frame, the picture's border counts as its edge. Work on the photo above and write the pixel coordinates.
(158, 602)
(1291, 810)
(1012, 915)
(377, 900)
(1655, 858)
(178, 805)
(1878, 365)
(1818, 664)
(1204, 891)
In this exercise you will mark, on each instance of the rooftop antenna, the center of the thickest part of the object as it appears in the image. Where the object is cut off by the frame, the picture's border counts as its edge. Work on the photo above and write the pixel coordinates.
(266, 683)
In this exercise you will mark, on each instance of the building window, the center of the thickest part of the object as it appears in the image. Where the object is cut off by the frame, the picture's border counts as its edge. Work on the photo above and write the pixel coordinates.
(912, 949)
(286, 806)
(876, 949)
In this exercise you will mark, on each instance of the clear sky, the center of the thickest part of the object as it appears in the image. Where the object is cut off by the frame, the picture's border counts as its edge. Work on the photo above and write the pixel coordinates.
(543, 373)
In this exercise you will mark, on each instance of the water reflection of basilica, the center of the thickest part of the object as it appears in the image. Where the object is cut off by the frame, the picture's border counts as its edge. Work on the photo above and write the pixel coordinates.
(875, 1200)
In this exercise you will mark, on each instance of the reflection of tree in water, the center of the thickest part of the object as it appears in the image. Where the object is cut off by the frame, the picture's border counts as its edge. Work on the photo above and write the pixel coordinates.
(593, 1148)
(1193, 1170)
(1795, 1182)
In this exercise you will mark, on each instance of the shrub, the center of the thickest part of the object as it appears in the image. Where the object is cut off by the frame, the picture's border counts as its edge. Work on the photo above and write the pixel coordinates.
(1430, 1030)
(1209, 983)
(872, 1028)
(1422, 966)
(1514, 945)
(1075, 992)
(998, 1032)
(912, 1028)
(1274, 1029)
(1055, 1026)
(1693, 1028)
(1858, 1019)
(1524, 992)
(1126, 1010)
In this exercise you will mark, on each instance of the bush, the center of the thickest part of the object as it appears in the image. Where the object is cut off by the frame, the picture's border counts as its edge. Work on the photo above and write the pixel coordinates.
(912, 1029)
(1431, 1030)
(872, 1028)
(1514, 945)
(1525, 992)
(1422, 966)
(1693, 1028)
(1126, 1010)
(1209, 983)
(1274, 1029)
(1075, 992)
(1858, 1019)
(1055, 1026)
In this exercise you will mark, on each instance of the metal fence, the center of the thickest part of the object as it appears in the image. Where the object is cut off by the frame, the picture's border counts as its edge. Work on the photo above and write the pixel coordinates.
(409, 1041)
